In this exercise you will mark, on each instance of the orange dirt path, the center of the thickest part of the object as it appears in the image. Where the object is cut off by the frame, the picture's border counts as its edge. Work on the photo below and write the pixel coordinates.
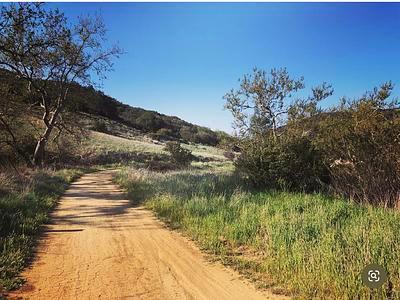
(101, 247)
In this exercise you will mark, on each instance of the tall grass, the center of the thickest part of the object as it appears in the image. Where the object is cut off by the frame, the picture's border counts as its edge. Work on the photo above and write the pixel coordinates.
(24, 207)
(103, 143)
(311, 245)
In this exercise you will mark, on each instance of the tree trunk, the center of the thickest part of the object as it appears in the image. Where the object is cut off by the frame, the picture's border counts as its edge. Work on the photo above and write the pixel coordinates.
(274, 129)
(40, 150)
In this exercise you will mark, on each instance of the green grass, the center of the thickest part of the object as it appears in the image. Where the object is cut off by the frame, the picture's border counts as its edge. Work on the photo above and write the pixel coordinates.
(206, 151)
(23, 210)
(107, 150)
(101, 142)
(312, 246)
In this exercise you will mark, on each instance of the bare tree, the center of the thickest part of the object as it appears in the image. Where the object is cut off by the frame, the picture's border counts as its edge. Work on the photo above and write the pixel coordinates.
(41, 48)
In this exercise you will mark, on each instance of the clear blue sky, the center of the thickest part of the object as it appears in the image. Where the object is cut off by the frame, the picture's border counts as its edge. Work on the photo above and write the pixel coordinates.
(181, 58)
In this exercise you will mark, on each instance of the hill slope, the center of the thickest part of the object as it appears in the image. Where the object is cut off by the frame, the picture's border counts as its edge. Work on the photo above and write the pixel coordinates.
(159, 126)
(93, 103)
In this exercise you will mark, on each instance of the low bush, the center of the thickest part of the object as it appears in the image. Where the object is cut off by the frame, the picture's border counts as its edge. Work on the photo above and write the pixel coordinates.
(290, 163)
(180, 156)
(229, 155)
(164, 134)
(100, 126)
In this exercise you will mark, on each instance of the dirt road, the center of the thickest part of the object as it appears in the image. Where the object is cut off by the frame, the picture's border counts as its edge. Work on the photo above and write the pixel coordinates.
(100, 247)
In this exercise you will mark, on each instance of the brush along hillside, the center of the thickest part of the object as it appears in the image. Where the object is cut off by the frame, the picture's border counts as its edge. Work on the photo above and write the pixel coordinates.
(86, 110)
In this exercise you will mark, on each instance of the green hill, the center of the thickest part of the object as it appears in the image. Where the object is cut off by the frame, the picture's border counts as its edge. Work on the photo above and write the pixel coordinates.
(159, 126)
(93, 103)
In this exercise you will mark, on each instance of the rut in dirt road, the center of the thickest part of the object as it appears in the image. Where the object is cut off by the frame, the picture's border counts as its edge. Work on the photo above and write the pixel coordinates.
(101, 247)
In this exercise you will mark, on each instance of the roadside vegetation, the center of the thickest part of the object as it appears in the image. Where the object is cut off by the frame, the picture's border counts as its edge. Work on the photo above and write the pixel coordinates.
(288, 142)
(307, 245)
(313, 196)
(25, 203)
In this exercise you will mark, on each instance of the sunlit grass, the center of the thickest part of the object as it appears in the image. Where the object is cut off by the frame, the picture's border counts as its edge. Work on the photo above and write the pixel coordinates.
(206, 151)
(312, 245)
(102, 142)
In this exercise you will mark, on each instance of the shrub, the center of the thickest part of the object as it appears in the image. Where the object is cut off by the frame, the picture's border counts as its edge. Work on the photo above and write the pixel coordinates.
(187, 133)
(287, 163)
(163, 134)
(230, 155)
(100, 126)
(206, 136)
(355, 148)
(180, 156)
(360, 141)
(149, 122)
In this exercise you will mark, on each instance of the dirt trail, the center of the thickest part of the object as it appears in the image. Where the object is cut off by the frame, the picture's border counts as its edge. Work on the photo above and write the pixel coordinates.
(100, 247)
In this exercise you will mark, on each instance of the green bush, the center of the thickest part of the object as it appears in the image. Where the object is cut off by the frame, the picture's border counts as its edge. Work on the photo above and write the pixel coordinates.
(100, 126)
(149, 122)
(287, 163)
(360, 141)
(179, 156)
(164, 134)
(352, 150)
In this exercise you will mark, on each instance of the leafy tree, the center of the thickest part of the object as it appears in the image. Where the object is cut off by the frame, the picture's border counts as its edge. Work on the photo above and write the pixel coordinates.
(41, 48)
(15, 136)
(261, 102)
(276, 145)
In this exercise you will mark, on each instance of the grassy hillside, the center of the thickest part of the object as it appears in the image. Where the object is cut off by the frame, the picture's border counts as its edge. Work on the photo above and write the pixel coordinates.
(102, 148)
(88, 100)
(88, 107)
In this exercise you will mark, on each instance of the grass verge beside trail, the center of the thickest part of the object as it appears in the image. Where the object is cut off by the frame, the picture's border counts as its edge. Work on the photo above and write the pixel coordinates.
(312, 246)
(23, 209)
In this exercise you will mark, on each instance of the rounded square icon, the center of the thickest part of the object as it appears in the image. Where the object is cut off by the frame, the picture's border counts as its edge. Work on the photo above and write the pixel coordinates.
(374, 276)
